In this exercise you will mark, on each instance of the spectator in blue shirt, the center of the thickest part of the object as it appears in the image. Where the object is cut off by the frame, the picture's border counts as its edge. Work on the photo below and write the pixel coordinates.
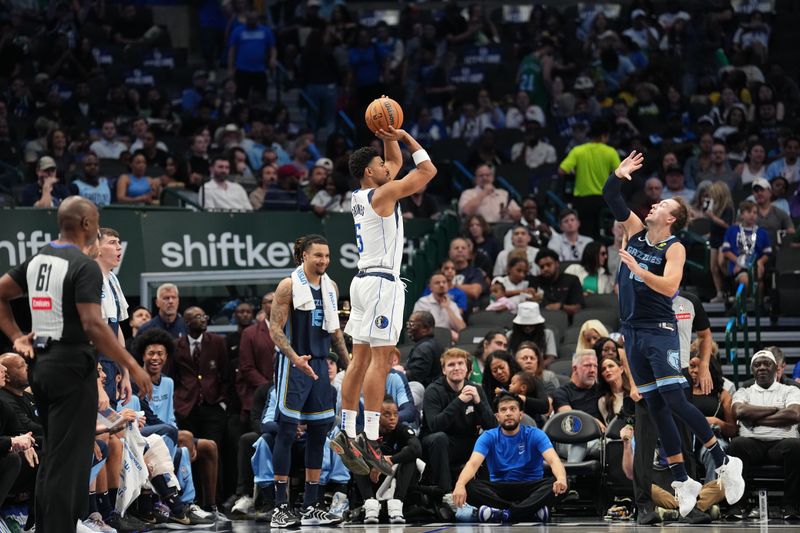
(746, 243)
(367, 63)
(252, 50)
(514, 455)
(191, 97)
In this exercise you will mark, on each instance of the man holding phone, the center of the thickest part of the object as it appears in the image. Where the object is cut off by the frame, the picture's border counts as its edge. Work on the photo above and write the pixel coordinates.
(484, 199)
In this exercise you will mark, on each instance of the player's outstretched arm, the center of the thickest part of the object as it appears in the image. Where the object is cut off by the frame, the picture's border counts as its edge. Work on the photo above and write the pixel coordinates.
(387, 195)
(612, 193)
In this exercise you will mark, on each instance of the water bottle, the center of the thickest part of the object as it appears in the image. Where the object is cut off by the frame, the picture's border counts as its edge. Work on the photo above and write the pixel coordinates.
(763, 509)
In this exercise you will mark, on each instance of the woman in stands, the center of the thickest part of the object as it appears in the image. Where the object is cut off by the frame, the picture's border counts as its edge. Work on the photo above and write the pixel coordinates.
(493, 340)
(754, 166)
(530, 326)
(136, 187)
(720, 211)
(499, 369)
(607, 347)
(715, 406)
(615, 389)
(592, 271)
(529, 357)
(591, 331)
(478, 231)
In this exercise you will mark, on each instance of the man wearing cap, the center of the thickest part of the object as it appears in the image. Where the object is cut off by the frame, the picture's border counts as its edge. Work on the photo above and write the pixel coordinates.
(642, 33)
(676, 185)
(533, 151)
(770, 217)
(47, 192)
(780, 361)
(768, 413)
(220, 193)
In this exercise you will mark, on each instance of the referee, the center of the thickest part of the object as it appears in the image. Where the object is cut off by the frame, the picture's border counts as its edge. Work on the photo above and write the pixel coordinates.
(63, 287)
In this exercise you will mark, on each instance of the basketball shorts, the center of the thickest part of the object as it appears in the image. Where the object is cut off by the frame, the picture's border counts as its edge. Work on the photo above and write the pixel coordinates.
(302, 399)
(376, 310)
(654, 356)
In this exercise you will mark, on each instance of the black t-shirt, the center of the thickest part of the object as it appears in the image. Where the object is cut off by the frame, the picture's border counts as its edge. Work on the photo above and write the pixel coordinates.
(579, 399)
(55, 280)
(566, 289)
(426, 209)
(469, 275)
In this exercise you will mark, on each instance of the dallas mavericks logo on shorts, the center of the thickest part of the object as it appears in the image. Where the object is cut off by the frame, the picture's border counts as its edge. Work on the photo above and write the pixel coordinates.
(674, 359)
(381, 322)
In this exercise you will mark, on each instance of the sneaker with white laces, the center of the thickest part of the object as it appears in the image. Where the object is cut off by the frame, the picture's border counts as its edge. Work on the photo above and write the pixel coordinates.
(283, 516)
(315, 515)
(245, 505)
(686, 493)
(395, 511)
(492, 514)
(339, 504)
(372, 511)
(94, 522)
(730, 476)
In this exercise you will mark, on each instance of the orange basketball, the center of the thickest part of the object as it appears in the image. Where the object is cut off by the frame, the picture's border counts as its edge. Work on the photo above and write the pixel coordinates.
(382, 113)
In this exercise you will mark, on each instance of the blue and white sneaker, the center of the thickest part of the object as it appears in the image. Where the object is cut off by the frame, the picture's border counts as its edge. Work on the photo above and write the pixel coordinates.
(543, 514)
(491, 514)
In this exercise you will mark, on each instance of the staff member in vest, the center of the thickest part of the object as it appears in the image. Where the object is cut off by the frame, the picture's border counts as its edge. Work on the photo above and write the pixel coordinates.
(304, 323)
(114, 308)
(63, 287)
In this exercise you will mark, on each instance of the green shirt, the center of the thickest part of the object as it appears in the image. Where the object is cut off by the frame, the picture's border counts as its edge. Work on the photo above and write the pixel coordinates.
(592, 163)
(531, 80)
(477, 375)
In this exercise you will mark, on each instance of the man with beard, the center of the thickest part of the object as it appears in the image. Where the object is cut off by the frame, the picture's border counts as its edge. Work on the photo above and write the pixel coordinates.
(304, 325)
(517, 490)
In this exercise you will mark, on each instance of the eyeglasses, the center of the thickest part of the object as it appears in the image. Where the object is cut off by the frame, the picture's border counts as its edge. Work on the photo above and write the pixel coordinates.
(199, 317)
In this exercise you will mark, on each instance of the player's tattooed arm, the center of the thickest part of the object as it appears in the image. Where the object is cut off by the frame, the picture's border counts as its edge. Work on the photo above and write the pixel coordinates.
(339, 346)
(279, 314)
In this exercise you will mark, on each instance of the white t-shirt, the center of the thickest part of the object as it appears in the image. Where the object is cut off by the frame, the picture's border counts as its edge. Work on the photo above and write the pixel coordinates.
(232, 196)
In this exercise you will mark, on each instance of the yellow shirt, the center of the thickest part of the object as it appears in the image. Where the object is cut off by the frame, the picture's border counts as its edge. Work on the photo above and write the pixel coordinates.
(592, 163)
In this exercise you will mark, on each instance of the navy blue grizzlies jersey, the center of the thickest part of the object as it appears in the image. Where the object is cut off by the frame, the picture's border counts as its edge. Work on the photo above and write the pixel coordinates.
(638, 303)
(304, 329)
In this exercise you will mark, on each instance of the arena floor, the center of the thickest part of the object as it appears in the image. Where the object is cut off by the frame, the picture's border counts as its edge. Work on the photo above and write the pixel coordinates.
(561, 525)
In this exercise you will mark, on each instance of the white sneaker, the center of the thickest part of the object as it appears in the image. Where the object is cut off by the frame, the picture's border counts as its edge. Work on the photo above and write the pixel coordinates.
(395, 509)
(372, 511)
(730, 476)
(80, 527)
(339, 504)
(199, 511)
(686, 493)
(94, 522)
(244, 505)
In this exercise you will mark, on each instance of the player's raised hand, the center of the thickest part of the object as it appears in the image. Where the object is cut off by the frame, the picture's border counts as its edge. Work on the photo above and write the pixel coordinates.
(301, 362)
(629, 165)
(391, 134)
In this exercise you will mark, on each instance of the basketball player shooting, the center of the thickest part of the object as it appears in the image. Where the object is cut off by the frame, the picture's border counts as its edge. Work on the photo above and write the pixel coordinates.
(377, 295)
(649, 278)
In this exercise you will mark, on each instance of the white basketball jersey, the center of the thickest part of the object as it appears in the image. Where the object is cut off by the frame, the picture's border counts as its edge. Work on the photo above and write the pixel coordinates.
(380, 239)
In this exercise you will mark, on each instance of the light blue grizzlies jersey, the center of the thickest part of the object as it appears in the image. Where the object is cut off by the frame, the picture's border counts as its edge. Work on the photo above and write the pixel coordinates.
(380, 239)
(638, 303)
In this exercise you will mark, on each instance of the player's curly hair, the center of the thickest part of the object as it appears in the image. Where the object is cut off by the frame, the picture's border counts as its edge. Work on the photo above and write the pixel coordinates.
(150, 337)
(304, 243)
(360, 159)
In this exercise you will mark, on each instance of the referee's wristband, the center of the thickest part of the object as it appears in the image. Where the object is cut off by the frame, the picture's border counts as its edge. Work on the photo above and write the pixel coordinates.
(420, 156)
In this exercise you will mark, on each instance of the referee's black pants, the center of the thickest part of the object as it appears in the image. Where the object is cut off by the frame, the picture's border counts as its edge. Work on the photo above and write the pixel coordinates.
(65, 387)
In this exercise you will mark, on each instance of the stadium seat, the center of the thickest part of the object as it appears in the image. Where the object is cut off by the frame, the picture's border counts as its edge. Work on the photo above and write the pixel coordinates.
(443, 336)
(557, 321)
(502, 319)
(561, 366)
(473, 334)
(566, 351)
(469, 347)
(601, 300)
(518, 175)
(609, 317)
(577, 427)
(616, 482)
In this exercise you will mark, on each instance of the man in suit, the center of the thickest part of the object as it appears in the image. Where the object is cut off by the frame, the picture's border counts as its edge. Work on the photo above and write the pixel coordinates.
(256, 357)
(199, 370)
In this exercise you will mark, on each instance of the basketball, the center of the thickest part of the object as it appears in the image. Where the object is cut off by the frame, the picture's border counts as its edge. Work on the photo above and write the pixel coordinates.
(382, 113)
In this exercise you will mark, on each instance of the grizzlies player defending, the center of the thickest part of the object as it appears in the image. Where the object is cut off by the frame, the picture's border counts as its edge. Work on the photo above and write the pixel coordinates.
(304, 323)
(376, 293)
(649, 277)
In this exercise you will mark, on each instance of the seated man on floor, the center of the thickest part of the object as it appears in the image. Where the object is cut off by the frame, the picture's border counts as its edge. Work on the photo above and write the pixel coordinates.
(514, 454)
(768, 413)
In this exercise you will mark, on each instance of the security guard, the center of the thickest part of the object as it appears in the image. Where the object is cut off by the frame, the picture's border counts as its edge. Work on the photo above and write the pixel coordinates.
(63, 287)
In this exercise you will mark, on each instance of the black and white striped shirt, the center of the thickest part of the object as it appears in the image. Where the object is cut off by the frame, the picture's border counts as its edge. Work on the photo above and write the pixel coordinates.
(55, 280)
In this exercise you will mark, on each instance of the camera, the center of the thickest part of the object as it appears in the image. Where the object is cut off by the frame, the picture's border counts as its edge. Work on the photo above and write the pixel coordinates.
(708, 204)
